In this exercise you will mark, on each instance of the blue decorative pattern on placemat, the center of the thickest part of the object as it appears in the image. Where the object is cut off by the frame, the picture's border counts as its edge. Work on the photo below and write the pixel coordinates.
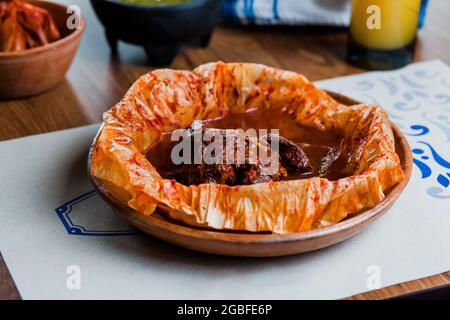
(417, 100)
(76, 225)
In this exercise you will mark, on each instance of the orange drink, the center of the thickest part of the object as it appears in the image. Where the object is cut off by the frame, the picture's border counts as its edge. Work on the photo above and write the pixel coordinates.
(383, 32)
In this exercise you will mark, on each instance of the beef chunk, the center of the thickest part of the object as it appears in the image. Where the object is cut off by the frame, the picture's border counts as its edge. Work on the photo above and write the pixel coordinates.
(195, 174)
(203, 172)
(332, 155)
(252, 174)
(292, 155)
(249, 171)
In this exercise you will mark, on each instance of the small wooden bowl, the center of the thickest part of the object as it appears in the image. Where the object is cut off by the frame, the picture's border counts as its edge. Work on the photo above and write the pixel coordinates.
(246, 244)
(33, 71)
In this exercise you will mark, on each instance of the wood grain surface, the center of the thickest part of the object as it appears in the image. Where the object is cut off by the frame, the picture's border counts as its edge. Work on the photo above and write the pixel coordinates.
(97, 80)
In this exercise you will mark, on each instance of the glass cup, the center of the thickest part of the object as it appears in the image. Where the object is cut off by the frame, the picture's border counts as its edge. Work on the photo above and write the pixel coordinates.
(382, 33)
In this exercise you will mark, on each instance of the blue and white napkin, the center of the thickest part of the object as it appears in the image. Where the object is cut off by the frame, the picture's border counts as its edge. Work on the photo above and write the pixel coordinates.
(293, 12)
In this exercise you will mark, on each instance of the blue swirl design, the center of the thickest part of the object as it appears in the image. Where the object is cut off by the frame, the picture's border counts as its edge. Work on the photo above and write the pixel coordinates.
(425, 74)
(410, 83)
(422, 155)
(421, 130)
(442, 122)
(416, 93)
(392, 87)
(64, 210)
(441, 161)
(414, 99)
(443, 180)
(440, 98)
(420, 94)
(403, 106)
(408, 96)
(436, 192)
(419, 159)
(425, 170)
(364, 85)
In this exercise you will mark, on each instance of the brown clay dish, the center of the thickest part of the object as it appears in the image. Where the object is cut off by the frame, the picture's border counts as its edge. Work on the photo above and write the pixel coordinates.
(236, 243)
(33, 71)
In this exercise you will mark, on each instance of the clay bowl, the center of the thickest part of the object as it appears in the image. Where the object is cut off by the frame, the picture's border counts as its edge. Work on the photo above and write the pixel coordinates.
(246, 244)
(33, 71)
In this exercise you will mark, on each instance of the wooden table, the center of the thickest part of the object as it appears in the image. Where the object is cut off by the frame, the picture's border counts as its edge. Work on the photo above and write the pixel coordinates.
(97, 80)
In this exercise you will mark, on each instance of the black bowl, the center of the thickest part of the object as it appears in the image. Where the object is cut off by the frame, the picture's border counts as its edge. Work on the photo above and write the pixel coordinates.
(161, 30)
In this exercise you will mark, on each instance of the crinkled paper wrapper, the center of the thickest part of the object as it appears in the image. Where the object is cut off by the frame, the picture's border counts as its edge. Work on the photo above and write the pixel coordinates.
(164, 100)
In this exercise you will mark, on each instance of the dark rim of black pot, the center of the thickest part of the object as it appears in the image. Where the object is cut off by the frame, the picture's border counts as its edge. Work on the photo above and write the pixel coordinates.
(180, 6)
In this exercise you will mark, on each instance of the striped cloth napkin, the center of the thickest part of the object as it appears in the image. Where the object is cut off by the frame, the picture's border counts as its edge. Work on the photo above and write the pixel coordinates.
(293, 12)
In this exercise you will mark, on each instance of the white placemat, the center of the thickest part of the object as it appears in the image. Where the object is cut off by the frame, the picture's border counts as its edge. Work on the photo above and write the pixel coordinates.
(59, 240)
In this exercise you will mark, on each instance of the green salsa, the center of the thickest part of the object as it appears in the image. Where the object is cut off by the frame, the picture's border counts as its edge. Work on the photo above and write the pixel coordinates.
(155, 2)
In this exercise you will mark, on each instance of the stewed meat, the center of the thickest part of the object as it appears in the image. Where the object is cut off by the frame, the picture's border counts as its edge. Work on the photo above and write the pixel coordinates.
(237, 165)
(332, 155)
(292, 155)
